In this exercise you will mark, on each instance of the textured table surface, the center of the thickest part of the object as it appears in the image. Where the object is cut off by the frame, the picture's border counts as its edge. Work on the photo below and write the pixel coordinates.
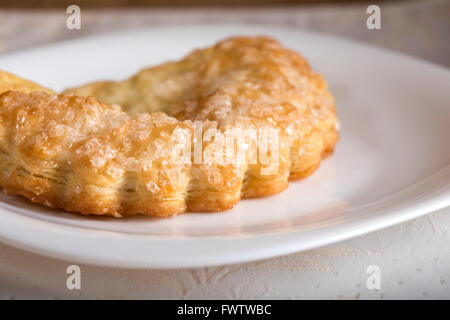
(413, 257)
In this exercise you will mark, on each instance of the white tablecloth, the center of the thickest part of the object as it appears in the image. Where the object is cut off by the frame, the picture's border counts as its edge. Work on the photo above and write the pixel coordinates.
(413, 258)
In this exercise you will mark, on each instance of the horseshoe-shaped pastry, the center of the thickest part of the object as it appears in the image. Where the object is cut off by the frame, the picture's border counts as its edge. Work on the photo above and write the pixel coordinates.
(236, 120)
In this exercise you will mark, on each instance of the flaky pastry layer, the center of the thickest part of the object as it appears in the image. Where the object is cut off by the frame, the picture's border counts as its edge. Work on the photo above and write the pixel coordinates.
(118, 157)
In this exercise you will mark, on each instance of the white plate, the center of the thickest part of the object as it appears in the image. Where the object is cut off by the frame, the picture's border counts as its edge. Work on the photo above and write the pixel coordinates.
(391, 164)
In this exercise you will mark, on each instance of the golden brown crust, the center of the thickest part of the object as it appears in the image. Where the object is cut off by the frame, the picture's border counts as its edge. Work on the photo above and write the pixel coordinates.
(9, 81)
(82, 155)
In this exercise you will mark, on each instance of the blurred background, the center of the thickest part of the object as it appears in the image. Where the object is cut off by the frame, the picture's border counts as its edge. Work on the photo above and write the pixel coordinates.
(141, 3)
(419, 28)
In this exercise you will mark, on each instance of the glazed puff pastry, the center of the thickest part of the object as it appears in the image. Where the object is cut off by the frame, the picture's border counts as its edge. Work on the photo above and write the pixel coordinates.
(121, 158)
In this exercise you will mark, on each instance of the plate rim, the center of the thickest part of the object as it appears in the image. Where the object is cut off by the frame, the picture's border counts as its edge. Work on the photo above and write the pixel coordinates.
(274, 245)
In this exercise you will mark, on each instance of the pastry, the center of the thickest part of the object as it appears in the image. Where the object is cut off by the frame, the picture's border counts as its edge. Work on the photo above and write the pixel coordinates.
(157, 143)
(9, 81)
